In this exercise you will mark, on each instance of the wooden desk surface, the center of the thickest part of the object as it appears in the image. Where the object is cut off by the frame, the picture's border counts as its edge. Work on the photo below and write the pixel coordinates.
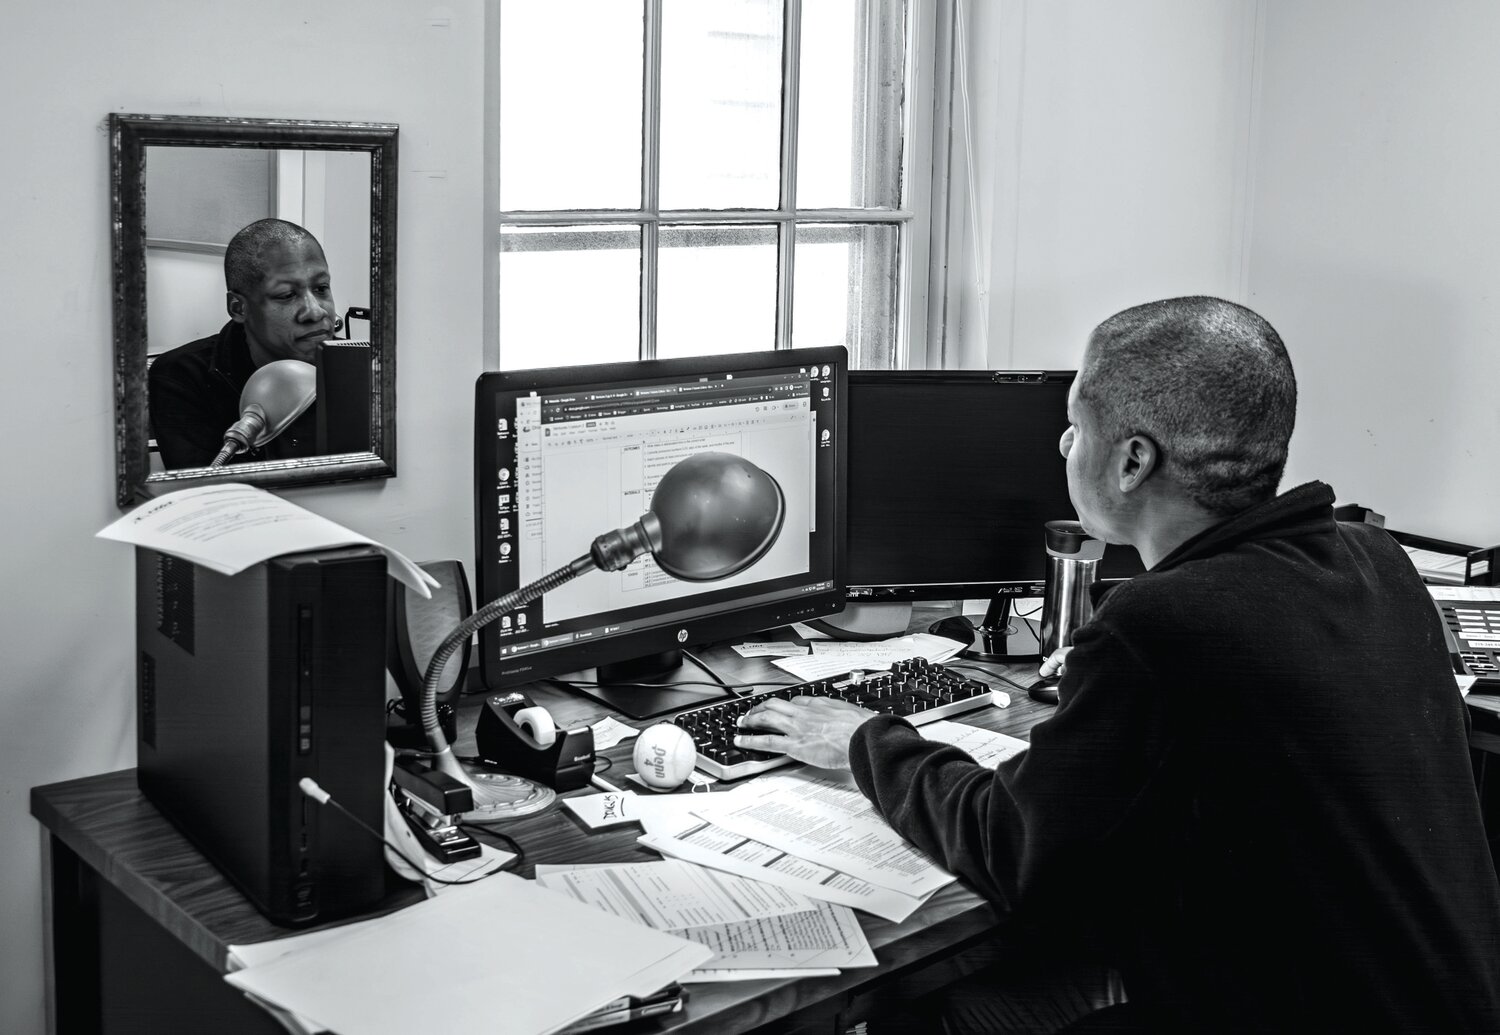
(111, 827)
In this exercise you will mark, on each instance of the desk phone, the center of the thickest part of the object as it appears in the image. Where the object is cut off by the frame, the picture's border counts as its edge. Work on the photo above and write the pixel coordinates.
(1471, 625)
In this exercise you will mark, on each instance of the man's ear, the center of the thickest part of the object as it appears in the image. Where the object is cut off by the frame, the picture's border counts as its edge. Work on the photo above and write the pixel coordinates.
(234, 303)
(1139, 457)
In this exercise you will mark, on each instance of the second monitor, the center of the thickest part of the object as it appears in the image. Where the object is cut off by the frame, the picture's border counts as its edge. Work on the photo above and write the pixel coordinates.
(952, 476)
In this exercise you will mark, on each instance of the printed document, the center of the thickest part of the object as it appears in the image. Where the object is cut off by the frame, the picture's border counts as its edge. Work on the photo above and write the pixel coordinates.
(821, 816)
(672, 895)
(835, 657)
(823, 935)
(709, 845)
(983, 746)
(229, 527)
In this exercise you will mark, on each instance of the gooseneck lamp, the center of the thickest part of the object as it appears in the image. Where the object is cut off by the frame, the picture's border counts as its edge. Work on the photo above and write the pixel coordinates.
(274, 396)
(712, 515)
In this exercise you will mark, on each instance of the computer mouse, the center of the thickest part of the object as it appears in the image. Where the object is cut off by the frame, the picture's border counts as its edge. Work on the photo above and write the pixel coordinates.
(1043, 690)
(954, 627)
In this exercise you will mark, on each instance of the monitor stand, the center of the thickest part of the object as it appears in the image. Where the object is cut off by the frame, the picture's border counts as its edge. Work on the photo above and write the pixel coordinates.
(1002, 636)
(865, 621)
(640, 688)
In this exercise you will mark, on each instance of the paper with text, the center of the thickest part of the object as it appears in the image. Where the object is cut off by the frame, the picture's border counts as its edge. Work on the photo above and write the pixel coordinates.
(822, 816)
(671, 895)
(987, 748)
(229, 527)
(710, 845)
(826, 936)
(834, 657)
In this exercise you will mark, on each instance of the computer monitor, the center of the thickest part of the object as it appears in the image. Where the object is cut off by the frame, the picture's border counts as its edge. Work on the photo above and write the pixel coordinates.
(565, 454)
(952, 476)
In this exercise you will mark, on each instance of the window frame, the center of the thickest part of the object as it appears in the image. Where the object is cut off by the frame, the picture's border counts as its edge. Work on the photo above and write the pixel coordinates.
(911, 218)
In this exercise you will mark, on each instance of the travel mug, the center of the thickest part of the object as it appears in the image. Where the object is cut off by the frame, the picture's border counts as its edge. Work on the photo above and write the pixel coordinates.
(1072, 566)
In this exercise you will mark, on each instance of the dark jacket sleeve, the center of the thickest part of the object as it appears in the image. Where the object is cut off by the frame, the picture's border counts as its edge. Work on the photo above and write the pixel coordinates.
(187, 422)
(1058, 814)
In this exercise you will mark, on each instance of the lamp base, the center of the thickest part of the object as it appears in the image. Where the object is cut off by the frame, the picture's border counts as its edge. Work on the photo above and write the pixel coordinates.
(501, 796)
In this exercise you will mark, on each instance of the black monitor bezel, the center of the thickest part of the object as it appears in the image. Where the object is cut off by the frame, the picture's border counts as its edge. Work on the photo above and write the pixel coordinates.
(731, 622)
(906, 592)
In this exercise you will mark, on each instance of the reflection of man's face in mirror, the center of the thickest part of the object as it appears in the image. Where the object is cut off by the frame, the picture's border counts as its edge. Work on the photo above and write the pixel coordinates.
(284, 299)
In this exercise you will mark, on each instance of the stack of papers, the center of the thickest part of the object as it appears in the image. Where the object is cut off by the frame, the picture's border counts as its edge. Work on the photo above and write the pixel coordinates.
(502, 956)
(813, 832)
(754, 929)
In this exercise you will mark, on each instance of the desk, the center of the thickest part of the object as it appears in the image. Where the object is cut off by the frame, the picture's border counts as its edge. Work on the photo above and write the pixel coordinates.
(139, 922)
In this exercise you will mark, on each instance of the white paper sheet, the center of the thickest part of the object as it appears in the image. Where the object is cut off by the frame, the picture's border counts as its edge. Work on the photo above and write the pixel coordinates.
(709, 845)
(826, 936)
(770, 650)
(821, 935)
(821, 816)
(835, 657)
(672, 895)
(443, 951)
(658, 813)
(708, 975)
(987, 748)
(229, 527)
(610, 731)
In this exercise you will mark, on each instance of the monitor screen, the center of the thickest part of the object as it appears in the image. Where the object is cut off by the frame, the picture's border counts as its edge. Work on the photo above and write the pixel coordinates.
(563, 455)
(952, 476)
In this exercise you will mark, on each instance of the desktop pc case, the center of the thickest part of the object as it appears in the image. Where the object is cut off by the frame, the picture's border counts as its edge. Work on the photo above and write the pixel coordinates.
(245, 685)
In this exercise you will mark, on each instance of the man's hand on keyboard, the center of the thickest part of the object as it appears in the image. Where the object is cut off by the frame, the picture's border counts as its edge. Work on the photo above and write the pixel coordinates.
(815, 730)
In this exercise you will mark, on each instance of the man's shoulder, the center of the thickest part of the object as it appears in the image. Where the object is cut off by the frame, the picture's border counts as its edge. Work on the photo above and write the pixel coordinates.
(191, 361)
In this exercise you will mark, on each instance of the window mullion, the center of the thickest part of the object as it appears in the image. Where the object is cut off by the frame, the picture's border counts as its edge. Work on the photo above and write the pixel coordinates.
(650, 176)
(786, 240)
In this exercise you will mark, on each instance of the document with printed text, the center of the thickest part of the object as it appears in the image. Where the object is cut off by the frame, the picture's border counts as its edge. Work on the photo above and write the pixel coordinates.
(229, 527)
(822, 816)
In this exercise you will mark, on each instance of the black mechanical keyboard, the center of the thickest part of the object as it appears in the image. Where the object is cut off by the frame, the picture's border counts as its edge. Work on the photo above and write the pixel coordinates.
(916, 689)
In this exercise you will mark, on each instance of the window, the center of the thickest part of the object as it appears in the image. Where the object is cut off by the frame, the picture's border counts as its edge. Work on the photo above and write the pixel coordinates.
(692, 177)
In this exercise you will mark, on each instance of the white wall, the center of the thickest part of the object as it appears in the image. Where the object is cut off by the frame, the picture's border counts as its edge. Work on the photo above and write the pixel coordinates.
(1374, 251)
(66, 634)
(1108, 143)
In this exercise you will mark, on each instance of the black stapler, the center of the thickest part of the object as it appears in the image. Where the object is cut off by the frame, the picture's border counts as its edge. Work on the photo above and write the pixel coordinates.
(429, 800)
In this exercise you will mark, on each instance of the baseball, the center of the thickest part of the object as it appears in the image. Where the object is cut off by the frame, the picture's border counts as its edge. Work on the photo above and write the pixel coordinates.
(664, 755)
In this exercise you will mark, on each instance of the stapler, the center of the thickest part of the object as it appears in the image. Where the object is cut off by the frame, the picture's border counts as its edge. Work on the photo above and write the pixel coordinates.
(430, 801)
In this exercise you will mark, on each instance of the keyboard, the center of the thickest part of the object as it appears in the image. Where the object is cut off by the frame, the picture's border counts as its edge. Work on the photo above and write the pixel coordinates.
(916, 689)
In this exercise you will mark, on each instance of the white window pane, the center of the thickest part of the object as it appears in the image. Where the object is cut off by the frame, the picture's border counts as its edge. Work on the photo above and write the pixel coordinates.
(570, 104)
(844, 291)
(716, 290)
(569, 295)
(849, 110)
(720, 104)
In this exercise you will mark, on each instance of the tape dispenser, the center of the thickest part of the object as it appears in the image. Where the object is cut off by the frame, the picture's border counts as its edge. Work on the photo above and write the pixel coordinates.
(520, 737)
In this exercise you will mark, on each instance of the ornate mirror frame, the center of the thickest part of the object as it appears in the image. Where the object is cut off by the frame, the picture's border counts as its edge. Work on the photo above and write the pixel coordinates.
(130, 135)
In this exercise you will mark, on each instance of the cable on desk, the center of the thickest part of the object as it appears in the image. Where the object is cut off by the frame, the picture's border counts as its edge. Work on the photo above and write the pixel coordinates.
(514, 847)
(956, 663)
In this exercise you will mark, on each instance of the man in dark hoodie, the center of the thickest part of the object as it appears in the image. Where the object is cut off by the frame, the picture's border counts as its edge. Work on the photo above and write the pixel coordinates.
(1255, 797)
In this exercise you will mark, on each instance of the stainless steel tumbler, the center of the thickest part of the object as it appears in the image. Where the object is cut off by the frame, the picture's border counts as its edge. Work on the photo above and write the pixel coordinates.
(1072, 566)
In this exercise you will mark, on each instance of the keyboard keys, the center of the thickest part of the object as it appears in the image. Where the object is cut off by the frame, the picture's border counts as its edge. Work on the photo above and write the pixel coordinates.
(915, 689)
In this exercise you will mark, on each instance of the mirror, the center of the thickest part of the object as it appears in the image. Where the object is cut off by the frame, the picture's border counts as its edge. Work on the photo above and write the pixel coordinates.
(237, 243)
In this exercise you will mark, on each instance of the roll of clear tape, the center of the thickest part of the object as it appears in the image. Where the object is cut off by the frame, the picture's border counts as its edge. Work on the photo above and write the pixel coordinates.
(537, 721)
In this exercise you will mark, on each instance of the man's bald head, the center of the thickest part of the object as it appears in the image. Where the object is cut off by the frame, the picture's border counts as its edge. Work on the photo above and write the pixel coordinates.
(245, 260)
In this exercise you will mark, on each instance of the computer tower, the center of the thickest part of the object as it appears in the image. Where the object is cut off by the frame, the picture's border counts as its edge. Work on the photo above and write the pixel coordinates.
(245, 685)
